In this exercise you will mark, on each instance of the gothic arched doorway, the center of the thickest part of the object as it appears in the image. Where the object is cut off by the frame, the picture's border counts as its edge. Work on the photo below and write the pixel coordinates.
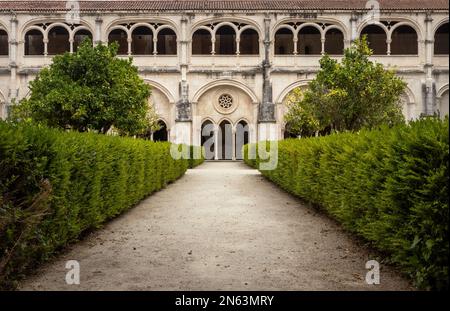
(208, 140)
(225, 141)
(242, 138)
(161, 134)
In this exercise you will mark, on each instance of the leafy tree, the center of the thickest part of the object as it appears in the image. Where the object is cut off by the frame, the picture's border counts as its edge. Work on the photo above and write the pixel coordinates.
(90, 90)
(349, 95)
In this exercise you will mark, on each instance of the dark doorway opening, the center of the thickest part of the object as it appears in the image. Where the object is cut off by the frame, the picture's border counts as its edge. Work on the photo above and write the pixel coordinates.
(242, 138)
(225, 41)
(161, 134)
(208, 140)
(34, 43)
(441, 40)
(58, 41)
(79, 37)
(119, 36)
(225, 141)
(288, 133)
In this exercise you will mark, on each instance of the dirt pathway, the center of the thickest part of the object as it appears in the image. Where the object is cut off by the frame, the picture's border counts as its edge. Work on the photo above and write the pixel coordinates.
(220, 227)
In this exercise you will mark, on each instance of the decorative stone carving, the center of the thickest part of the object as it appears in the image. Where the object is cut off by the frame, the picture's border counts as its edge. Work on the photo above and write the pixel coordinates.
(225, 103)
(183, 105)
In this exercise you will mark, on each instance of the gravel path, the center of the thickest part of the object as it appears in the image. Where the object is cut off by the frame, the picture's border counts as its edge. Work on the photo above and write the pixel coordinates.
(220, 227)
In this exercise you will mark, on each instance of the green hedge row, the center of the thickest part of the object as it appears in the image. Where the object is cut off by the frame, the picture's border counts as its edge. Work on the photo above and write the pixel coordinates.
(389, 186)
(197, 156)
(56, 185)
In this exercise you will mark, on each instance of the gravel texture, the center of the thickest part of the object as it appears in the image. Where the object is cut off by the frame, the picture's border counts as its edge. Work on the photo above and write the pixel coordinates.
(220, 227)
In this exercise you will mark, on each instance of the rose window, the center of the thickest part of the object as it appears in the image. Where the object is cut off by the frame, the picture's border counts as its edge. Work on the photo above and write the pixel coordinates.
(225, 101)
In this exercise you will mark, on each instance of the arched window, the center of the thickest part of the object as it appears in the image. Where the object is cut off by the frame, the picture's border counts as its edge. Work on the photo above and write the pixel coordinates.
(58, 41)
(309, 41)
(334, 42)
(79, 37)
(284, 42)
(376, 37)
(34, 42)
(3, 42)
(404, 41)
(161, 134)
(242, 138)
(441, 40)
(167, 42)
(208, 139)
(142, 41)
(201, 42)
(249, 42)
(119, 36)
(225, 41)
(225, 139)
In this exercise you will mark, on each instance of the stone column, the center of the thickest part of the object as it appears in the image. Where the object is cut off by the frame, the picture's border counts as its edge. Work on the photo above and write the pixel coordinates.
(13, 44)
(98, 31)
(429, 87)
(266, 113)
(353, 28)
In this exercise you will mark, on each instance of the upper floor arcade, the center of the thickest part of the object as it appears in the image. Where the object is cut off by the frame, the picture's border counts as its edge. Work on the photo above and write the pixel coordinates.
(227, 41)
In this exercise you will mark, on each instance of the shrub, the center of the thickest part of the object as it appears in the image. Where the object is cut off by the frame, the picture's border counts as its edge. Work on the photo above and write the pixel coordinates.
(349, 94)
(388, 185)
(56, 185)
(195, 152)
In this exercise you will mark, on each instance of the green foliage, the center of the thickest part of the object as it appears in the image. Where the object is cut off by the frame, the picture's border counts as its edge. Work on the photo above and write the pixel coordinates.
(56, 185)
(389, 186)
(301, 120)
(196, 157)
(353, 94)
(90, 90)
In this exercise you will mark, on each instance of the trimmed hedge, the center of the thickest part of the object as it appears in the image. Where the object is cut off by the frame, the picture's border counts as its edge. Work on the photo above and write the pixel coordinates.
(196, 151)
(56, 185)
(388, 186)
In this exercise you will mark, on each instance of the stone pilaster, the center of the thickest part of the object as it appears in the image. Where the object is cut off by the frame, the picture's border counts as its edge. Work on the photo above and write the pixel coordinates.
(267, 107)
(184, 113)
(183, 105)
(13, 44)
(353, 27)
(98, 30)
(429, 86)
